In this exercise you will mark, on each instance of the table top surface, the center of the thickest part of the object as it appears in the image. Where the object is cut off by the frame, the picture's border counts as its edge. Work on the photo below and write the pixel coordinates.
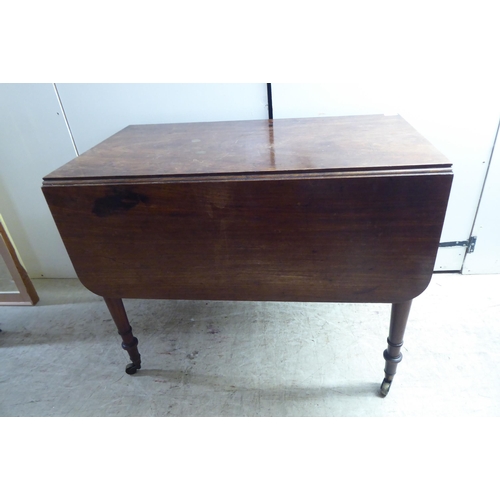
(294, 145)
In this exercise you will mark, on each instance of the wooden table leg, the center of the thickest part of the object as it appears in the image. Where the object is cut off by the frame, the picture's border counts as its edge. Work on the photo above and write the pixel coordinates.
(129, 343)
(392, 355)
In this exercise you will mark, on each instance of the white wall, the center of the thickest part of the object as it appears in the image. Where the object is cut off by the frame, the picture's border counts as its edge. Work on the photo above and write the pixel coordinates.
(486, 256)
(34, 140)
(97, 111)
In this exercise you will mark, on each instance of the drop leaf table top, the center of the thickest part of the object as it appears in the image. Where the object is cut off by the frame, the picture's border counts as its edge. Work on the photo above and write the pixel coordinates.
(331, 209)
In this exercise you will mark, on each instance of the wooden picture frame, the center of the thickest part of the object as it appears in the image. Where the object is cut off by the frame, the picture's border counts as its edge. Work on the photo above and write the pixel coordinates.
(26, 294)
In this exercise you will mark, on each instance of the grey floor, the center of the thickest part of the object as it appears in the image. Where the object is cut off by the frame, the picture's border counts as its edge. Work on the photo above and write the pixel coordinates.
(62, 357)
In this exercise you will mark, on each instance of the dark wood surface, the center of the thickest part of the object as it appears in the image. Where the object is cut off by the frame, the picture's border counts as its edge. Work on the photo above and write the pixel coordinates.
(311, 209)
(129, 342)
(343, 209)
(335, 238)
(255, 147)
(392, 355)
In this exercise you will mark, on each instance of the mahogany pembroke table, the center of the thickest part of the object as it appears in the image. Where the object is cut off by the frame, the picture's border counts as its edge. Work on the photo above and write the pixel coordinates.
(331, 209)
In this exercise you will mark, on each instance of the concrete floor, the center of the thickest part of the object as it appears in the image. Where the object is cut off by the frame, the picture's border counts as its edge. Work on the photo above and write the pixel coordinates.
(62, 357)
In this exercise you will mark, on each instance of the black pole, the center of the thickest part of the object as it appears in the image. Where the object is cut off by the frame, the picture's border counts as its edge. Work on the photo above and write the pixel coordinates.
(269, 101)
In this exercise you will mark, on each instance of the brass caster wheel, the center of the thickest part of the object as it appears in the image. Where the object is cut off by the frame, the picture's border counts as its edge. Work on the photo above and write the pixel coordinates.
(132, 368)
(384, 388)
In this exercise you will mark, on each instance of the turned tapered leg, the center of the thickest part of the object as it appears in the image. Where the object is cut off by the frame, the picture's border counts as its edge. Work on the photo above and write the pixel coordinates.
(129, 343)
(392, 355)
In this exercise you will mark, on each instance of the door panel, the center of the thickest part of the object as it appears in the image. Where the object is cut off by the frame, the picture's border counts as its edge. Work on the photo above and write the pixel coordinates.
(485, 259)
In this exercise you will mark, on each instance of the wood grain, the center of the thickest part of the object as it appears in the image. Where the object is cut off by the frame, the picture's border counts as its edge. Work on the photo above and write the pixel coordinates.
(322, 209)
(310, 209)
(255, 147)
(26, 294)
(336, 238)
